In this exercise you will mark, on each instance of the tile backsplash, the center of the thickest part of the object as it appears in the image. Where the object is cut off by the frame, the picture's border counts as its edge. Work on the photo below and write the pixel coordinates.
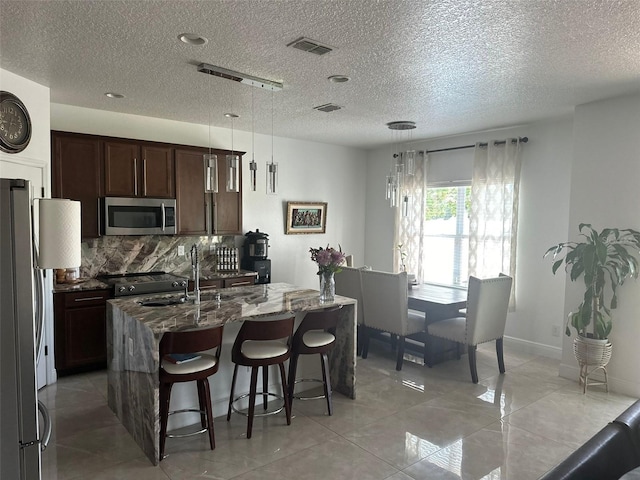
(147, 253)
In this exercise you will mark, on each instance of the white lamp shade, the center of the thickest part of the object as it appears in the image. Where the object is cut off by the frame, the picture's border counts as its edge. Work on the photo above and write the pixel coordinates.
(59, 234)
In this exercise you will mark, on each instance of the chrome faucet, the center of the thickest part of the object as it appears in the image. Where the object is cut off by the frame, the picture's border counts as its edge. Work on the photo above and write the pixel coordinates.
(195, 266)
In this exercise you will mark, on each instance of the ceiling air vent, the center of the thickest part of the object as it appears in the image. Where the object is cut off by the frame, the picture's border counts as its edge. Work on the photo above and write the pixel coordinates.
(311, 46)
(328, 107)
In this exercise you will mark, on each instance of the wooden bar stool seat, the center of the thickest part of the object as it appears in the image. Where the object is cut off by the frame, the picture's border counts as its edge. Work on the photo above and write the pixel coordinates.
(315, 335)
(261, 343)
(174, 368)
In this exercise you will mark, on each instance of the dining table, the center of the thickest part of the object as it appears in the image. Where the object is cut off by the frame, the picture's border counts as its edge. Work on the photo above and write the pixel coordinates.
(437, 302)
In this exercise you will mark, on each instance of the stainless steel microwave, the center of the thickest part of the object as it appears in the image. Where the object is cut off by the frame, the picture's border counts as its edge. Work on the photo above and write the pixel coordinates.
(138, 216)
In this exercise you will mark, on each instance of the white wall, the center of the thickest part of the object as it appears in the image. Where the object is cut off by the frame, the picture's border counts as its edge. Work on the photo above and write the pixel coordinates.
(604, 192)
(544, 213)
(307, 172)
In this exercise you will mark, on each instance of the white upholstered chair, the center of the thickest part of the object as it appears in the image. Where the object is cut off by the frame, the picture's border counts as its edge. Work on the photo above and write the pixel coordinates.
(487, 305)
(348, 260)
(348, 285)
(386, 308)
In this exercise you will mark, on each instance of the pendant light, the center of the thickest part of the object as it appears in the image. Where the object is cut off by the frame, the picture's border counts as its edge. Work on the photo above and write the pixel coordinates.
(402, 165)
(253, 166)
(211, 167)
(272, 168)
(233, 172)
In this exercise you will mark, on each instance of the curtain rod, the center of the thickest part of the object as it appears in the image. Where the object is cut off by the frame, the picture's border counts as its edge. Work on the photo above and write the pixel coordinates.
(502, 142)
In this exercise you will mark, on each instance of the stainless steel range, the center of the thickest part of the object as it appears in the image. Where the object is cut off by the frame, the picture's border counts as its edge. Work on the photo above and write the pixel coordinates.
(144, 283)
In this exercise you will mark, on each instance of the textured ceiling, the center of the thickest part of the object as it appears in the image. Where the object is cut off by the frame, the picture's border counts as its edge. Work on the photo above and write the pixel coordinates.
(451, 66)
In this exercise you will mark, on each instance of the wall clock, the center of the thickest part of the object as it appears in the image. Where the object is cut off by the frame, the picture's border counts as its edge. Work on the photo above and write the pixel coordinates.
(15, 124)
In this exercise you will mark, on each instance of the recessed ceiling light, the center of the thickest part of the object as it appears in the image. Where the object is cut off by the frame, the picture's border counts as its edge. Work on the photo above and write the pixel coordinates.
(231, 115)
(338, 78)
(113, 95)
(192, 39)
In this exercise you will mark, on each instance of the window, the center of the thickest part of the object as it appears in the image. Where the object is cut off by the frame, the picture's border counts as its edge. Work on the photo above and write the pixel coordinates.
(446, 235)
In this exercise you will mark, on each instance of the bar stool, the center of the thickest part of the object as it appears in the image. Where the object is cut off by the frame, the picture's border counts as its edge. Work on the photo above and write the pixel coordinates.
(260, 343)
(199, 369)
(315, 335)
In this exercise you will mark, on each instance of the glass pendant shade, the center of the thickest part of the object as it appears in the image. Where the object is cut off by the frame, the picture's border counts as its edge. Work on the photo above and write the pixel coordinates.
(393, 200)
(410, 162)
(210, 173)
(391, 179)
(233, 173)
(272, 178)
(253, 174)
(405, 205)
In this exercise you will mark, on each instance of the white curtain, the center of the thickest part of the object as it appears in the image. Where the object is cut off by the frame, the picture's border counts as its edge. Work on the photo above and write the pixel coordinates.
(493, 222)
(409, 229)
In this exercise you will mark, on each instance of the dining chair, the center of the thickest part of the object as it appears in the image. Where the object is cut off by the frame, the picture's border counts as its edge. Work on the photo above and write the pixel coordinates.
(485, 319)
(386, 308)
(204, 349)
(348, 284)
(348, 259)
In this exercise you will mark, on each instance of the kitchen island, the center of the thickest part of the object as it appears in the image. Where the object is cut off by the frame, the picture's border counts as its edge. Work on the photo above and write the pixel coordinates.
(134, 332)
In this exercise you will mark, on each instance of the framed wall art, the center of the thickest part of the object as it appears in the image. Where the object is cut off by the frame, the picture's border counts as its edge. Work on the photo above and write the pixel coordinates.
(306, 217)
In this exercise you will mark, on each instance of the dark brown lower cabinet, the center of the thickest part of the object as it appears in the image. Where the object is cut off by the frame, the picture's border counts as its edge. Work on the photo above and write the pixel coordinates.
(80, 330)
(239, 281)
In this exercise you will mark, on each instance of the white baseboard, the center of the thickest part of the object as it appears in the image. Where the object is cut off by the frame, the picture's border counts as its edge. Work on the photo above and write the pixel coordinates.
(617, 385)
(534, 347)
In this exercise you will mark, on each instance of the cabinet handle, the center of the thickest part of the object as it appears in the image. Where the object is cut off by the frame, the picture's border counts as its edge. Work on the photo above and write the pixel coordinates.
(99, 217)
(135, 176)
(86, 299)
(236, 284)
(144, 177)
(207, 219)
(215, 217)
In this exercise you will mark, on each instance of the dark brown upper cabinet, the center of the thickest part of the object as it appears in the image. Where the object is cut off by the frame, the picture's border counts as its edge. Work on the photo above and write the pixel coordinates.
(190, 196)
(133, 169)
(76, 170)
(201, 213)
(87, 167)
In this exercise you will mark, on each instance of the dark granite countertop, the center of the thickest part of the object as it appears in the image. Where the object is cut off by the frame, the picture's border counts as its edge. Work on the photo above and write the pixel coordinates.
(80, 285)
(95, 284)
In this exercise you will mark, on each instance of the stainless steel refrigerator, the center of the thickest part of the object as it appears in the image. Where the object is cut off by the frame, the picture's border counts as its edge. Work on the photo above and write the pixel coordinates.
(20, 439)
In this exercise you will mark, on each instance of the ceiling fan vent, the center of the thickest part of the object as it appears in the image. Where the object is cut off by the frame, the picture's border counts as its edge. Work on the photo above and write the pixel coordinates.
(328, 107)
(311, 46)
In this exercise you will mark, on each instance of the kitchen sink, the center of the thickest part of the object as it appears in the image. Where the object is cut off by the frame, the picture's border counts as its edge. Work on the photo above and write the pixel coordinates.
(161, 302)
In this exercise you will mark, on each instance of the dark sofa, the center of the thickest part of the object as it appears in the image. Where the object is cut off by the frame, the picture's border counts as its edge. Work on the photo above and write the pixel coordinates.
(608, 455)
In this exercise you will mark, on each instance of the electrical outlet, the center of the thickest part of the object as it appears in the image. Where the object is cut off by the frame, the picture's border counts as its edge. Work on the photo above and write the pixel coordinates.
(555, 330)
(181, 250)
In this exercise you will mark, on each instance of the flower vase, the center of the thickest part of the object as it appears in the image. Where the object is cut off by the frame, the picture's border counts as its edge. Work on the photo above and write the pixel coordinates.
(327, 287)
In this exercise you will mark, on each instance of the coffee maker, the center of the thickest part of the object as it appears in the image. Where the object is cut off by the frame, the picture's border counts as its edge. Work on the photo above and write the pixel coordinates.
(255, 253)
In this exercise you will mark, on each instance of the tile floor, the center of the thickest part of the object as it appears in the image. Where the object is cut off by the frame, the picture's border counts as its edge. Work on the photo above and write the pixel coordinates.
(419, 423)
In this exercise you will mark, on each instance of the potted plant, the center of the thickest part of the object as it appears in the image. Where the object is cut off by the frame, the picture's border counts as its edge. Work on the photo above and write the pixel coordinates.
(403, 255)
(604, 260)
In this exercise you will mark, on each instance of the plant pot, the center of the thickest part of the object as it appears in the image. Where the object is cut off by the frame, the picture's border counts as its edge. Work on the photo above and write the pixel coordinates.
(593, 355)
(592, 351)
